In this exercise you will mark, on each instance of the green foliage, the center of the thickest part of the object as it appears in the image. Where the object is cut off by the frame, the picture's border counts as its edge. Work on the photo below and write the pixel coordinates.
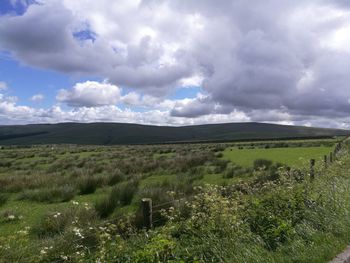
(159, 249)
(274, 216)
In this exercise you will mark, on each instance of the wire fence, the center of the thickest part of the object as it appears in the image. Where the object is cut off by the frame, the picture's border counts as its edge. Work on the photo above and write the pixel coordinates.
(152, 210)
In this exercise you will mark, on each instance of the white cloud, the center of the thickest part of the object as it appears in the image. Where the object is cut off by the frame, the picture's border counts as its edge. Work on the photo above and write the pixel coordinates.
(193, 81)
(12, 113)
(37, 97)
(252, 58)
(132, 98)
(90, 94)
(3, 85)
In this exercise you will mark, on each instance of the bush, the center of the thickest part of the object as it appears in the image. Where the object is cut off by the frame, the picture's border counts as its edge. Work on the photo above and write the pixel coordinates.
(274, 216)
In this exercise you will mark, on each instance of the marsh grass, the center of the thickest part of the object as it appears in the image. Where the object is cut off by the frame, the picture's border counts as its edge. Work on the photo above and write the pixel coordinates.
(120, 195)
(3, 199)
(57, 222)
(50, 195)
(88, 185)
(261, 215)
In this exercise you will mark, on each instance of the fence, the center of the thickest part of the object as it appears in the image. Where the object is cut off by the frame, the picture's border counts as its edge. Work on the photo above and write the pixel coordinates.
(148, 209)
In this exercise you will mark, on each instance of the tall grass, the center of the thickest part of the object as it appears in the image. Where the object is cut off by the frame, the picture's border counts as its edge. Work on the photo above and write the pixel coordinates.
(50, 195)
(120, 195)
(3, 199)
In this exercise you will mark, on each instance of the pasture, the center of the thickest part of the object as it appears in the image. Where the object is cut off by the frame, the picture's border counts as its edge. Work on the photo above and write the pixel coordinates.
(48, 192)
(291, 156)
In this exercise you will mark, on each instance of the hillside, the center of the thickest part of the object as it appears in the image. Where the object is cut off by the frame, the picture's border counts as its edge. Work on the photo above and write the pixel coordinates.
(123, 133)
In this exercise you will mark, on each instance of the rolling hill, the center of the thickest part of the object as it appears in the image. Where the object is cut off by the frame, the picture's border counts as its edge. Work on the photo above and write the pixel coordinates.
(123, 133)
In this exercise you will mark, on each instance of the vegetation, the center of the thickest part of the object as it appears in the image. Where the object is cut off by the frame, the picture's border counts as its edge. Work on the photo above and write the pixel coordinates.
(292, 156)
(123, 133)
(82, 204)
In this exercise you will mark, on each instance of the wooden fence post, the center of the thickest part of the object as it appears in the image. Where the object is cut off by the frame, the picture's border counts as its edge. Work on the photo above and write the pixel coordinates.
(312, 170)
(146, 204)
(330, 157)
(325, 161)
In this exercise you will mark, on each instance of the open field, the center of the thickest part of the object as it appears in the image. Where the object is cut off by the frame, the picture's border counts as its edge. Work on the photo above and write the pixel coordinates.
(293, 156)
(50, 196)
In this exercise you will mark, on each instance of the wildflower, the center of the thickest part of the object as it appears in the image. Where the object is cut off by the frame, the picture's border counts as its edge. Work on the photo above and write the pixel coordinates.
(77, 232)
(56, 215)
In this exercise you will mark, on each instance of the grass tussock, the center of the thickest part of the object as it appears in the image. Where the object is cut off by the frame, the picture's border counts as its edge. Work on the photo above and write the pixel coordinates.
(120, 195)
(50, 195)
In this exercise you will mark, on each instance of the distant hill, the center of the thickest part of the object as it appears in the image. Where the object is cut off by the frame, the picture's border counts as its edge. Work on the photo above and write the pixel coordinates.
(123, 133)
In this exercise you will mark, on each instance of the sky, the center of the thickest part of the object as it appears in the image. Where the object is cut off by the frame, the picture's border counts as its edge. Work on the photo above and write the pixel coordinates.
(175, 62)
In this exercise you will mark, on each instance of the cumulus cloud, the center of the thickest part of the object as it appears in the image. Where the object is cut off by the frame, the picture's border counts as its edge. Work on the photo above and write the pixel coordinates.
(12, 113)
(3, 85)
(37, 97)
(90, 94)
(268, 60)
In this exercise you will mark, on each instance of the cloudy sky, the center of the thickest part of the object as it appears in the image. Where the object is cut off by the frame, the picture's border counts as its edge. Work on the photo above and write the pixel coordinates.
(175, 62)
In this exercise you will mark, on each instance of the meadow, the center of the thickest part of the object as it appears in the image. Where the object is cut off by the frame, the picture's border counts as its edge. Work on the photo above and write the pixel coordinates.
(293, 156)
(67, 203)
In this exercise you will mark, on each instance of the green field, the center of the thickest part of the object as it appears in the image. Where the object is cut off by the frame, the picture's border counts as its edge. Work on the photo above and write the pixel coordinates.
(293, 156)
(51, 192)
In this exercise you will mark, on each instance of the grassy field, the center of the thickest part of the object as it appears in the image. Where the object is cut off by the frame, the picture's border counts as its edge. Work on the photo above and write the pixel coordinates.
(293, 156)
(52, 195)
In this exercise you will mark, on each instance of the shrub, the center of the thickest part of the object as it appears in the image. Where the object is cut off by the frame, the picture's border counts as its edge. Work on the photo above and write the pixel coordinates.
(274, 216)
